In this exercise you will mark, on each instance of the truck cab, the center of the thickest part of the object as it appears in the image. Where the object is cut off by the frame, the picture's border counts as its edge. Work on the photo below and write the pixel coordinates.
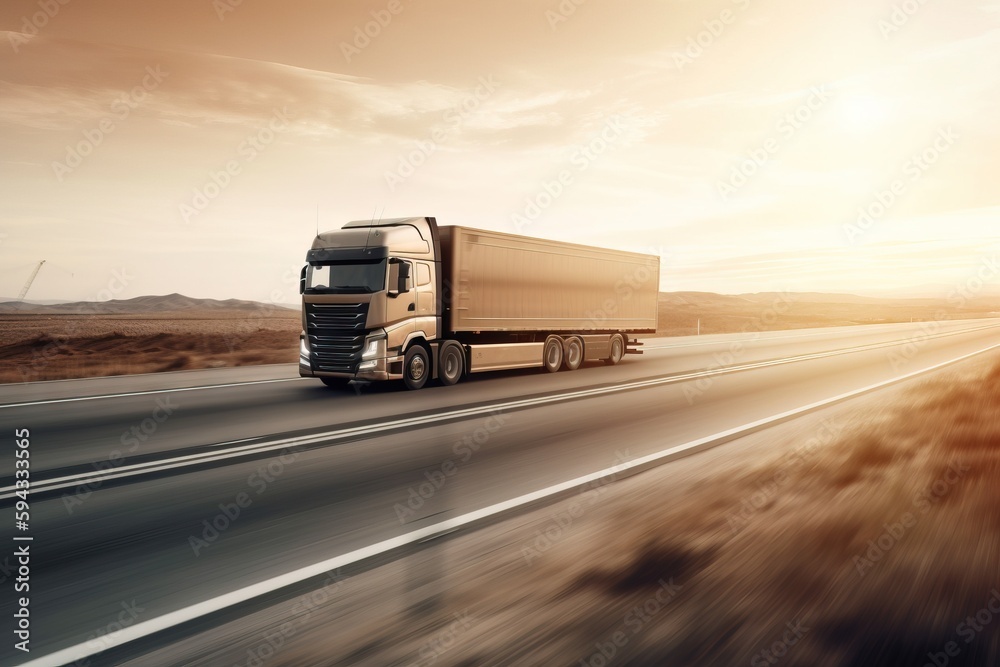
(369, 291)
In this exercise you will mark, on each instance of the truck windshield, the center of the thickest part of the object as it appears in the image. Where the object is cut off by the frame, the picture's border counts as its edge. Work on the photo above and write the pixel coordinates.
(346, 277)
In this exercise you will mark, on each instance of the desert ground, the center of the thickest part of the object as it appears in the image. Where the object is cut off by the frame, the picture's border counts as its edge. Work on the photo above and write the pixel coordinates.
(172, 333)
(61, 346)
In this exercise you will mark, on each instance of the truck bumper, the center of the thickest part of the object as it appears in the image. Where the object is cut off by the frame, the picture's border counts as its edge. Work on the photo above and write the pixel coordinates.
(387, 368)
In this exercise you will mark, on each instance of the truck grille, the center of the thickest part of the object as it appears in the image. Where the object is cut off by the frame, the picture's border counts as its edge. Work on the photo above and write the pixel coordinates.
(336, 335)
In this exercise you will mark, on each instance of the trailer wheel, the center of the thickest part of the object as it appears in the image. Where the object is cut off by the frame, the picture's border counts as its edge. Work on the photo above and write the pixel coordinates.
(573, 354)
(451, 363)
(552, 354)
(416, 368)
(617, 350)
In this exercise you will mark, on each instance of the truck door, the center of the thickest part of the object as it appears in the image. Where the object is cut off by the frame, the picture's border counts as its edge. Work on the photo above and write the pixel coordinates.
(426, 301)
(401, 309)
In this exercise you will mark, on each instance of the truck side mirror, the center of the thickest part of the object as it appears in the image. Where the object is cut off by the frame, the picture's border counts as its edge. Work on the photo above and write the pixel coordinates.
(302, 280)
(399, 277)
(404, 277)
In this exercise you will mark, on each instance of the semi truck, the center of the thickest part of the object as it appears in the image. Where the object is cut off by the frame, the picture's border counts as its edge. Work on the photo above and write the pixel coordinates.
(405, 299)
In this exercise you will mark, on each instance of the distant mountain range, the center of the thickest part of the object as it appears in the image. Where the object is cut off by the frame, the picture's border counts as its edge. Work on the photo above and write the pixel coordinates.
(141, 304)
(35, 302)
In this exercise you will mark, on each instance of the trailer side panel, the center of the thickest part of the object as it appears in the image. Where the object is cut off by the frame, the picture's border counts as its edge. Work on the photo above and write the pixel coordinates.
(503, 282)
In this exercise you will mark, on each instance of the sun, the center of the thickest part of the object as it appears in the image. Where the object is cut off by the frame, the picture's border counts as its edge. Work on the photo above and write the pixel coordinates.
(863, 112)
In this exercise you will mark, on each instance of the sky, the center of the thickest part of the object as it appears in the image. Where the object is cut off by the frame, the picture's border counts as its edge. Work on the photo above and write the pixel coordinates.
(755, 145)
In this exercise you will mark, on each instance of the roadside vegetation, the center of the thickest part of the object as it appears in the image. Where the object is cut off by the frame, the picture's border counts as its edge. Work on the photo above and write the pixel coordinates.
(64, 346)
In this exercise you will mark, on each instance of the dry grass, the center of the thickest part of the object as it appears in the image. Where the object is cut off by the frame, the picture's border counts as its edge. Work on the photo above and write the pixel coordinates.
(920, 478)
(70, 346)
(800, 554)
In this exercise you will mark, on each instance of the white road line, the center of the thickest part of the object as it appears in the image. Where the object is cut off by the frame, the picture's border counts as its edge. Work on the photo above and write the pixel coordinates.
(236, 442)
(146, 393)
(163, 465)
(174, 618)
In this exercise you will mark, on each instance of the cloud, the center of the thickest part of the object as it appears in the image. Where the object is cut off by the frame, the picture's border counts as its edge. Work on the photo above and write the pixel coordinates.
(62, 85)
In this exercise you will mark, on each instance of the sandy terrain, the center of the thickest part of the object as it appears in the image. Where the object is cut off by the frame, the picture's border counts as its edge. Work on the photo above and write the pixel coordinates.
(54, 347)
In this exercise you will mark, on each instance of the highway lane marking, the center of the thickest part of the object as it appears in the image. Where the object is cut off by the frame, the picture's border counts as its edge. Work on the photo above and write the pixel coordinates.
(236, 442)
(222, 602)
(147, 393)
(68, 482)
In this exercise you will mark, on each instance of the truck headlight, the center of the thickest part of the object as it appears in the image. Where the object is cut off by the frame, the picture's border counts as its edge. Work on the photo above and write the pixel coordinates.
(374, 346)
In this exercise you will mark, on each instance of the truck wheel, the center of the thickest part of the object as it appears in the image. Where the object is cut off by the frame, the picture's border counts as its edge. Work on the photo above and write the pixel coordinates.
(416, 368)
(617, 350)
(573, 355)
(552, 354)
(451, 363)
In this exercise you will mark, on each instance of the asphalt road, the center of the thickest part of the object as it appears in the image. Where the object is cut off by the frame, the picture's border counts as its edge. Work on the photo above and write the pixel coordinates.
(362, 467)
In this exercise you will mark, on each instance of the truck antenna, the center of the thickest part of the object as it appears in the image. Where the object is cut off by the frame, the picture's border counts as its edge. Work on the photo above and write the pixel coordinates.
(370, 227)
